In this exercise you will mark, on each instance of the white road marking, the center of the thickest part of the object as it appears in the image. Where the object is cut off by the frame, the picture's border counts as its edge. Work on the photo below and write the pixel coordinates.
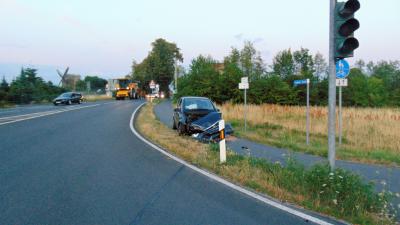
(18, 118)
(225, 182)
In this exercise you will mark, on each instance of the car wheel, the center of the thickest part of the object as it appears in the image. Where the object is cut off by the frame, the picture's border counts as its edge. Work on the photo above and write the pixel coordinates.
(181, 129)
(173, 124)
(69, 102)
(55, 104)
(79, 101)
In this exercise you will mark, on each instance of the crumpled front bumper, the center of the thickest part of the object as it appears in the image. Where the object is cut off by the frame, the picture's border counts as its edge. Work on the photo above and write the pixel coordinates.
(206, 128)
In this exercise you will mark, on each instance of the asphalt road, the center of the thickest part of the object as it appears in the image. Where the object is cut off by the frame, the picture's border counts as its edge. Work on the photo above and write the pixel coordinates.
(84, 166)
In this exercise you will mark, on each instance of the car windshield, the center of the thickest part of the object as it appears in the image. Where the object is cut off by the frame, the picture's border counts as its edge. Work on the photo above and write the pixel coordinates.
(198, 104)
(65, 95)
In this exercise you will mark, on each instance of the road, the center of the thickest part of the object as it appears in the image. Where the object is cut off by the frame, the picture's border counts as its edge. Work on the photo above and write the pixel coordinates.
(83, 165)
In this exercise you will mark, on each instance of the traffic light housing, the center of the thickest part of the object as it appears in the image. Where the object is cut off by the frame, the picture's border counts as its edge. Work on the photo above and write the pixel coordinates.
(345, 25)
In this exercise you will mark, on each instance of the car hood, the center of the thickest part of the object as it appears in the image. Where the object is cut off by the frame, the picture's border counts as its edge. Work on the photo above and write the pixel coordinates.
(206, 121)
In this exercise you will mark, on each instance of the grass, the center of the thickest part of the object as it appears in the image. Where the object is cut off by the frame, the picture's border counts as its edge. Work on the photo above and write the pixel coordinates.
(340, 194)
(369, 135)
(5, 105)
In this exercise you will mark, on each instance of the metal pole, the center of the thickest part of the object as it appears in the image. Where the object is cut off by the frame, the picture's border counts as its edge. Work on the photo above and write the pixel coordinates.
(340, 116)
(176, 76)
(308, 112)
(245, 109)
(332, 89)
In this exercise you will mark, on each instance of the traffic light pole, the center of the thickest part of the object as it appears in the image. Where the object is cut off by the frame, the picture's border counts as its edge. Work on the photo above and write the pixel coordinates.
(332, 88)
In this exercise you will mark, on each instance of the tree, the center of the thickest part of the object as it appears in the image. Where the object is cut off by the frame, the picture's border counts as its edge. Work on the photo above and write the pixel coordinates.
(377, 94)
(251, 63)
(356, 94)
(283, 64)
(304, 64)
(202, 79)
(28, 87)
(159, 65)
(96, 83)
(4, 89)
(360, 64)
(320, 66)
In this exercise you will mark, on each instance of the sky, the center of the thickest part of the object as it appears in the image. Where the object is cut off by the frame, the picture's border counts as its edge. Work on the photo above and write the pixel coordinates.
(95, 37)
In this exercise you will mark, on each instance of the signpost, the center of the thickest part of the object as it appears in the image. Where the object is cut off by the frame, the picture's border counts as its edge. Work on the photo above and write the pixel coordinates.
(152, 84)
(244, 84)
(307, 82)
(342, 71)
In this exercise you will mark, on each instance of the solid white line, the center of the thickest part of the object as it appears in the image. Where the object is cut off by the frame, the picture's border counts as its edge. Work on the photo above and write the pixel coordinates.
(46, 113)
(222, 181)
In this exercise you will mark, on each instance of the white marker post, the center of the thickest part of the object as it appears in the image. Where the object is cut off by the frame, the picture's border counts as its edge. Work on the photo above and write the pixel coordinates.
(308, 112)
(222, 144)
(244, 84)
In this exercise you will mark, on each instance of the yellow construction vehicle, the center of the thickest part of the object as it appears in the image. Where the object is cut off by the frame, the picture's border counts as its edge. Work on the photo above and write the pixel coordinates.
(125, 88)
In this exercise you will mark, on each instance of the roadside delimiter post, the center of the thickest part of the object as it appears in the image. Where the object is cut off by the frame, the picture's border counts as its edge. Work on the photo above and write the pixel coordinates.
(222, 144)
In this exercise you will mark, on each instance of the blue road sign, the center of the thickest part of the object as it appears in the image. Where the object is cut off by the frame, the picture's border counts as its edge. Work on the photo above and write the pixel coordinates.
(300, 82)
(342, 69)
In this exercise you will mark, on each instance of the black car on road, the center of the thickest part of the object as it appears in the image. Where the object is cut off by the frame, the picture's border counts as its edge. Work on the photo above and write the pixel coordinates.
(195, 115)
(68, 98)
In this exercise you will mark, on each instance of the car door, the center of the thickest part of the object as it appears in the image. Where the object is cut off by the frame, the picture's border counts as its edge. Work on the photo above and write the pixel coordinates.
(73, 97)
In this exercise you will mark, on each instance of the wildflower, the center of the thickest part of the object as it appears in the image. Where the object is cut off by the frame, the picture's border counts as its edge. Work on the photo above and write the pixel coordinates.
(398, 195)
(321, 192)
(340, 177)
(383, 182)
(324, 185)
(334, 201)
(337, 192)
(398, 206)
(331, 174)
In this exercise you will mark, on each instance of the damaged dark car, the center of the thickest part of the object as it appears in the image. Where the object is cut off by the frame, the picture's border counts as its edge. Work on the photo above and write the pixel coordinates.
(198, 116)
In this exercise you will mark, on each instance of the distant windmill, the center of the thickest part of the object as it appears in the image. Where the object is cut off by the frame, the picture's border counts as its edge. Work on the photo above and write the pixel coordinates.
(63, 80)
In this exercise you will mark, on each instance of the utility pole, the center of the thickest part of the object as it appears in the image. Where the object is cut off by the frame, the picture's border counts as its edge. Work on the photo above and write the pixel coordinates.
(332, 88)
(176, 76)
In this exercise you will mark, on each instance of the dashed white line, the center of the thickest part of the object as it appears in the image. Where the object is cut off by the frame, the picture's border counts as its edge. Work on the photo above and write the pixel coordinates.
(222, 181)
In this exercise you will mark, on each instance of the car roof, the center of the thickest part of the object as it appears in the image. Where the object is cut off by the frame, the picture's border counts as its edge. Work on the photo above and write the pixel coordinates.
(195, 97)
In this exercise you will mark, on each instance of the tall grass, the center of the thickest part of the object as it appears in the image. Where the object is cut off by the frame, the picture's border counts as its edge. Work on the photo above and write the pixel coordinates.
(367, 131)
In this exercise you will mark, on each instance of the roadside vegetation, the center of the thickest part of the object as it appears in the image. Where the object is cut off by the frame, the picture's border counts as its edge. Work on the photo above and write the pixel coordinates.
(340, 194)
(94, 98)
(370, 135)
(29, 88)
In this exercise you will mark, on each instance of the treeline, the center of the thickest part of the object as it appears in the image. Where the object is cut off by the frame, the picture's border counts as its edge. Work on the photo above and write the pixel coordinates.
(28, 88)
(372, 84)
(91, 84)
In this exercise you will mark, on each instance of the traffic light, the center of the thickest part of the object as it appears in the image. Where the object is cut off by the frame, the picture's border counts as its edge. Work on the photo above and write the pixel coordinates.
(345, 25)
